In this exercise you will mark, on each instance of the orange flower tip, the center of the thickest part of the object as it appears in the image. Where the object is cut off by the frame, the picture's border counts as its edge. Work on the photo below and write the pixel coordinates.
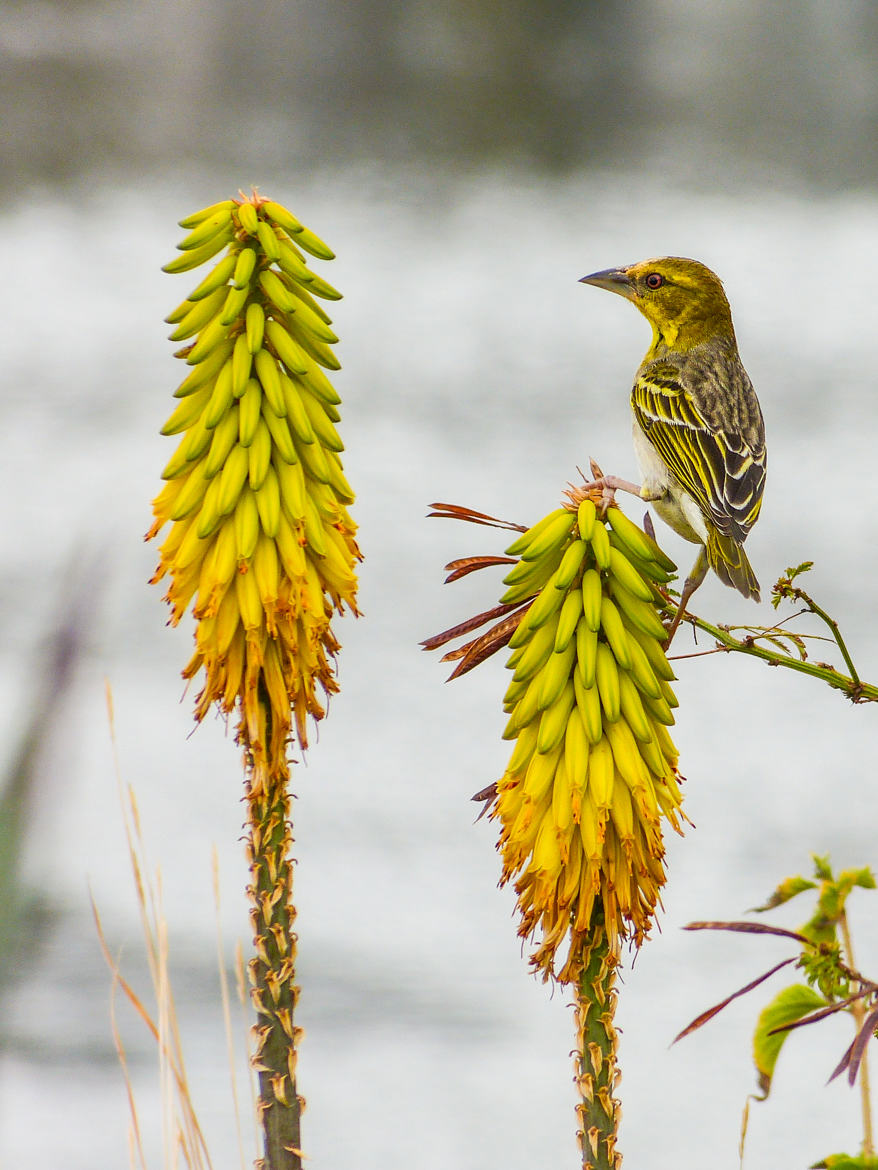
(254, 197)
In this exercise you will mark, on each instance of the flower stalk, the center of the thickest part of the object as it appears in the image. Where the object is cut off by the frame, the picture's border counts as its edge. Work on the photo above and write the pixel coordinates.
(262, 546)
(859, 1012)
(596, 1069)
(272, 970)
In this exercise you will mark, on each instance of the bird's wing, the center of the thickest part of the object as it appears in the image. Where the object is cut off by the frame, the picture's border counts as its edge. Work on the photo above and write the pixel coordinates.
(705, 423)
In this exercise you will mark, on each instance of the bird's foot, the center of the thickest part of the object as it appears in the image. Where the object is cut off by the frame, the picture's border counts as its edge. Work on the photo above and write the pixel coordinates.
(697, 575)
(601, 490)
(672, 627)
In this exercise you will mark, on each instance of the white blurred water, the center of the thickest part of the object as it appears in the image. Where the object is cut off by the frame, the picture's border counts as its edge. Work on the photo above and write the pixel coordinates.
(476, 370)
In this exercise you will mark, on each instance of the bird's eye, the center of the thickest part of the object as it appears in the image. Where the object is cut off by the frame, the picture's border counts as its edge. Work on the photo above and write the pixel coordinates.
(655, 280)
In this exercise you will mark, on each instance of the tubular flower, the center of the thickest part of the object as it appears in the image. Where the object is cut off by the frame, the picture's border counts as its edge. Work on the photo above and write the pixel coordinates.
(594, 770)
(261, 540)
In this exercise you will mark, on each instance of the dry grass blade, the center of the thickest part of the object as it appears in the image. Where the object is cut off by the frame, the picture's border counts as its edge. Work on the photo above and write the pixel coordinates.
(192, 1142)
(461, 512)
(747, 928)
(136, 1142)
(181, 1130)
(227, 1013)
(717, 1008)
(119, 979)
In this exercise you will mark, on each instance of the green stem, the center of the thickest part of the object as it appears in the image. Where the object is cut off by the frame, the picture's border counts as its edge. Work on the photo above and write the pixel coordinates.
(858, 1011)
(595, 1057)
(836, 632)
(852, 686)
(272, 970)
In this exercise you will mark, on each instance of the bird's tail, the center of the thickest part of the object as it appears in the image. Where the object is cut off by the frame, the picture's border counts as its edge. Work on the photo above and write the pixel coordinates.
(729, 561)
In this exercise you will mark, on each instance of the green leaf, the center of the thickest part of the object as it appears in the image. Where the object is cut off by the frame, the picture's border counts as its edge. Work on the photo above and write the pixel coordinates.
(803, 568)
(822, 868)
(787, 889)
(820, 927)
(831, 903)
(788, 1006)
(821, 966)
(784, 586)
(864, 878)
(846, 1162)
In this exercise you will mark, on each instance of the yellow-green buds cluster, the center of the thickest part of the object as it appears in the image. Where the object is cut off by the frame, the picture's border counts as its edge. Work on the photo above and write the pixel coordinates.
(261, 537)
(593, 769)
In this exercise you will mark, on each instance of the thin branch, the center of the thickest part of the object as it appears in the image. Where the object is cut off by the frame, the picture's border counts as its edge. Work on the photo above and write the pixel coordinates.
(856, 691)
(858, 1011)
(836, 632)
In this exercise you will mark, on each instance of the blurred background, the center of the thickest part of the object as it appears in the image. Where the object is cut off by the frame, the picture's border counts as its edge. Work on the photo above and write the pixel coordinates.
(468, 162)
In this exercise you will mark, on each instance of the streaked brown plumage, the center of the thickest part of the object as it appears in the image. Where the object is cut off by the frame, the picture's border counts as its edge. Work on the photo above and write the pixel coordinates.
(698, 429)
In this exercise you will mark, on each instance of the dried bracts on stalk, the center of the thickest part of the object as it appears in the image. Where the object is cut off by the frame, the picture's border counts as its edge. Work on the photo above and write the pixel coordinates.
(261, 537)
(594, 770)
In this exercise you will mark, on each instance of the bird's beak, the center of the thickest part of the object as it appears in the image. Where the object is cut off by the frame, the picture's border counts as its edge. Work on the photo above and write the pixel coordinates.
(613, 280)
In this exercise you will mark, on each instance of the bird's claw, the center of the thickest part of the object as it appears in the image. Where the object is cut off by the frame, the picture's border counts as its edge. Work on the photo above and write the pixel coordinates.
(600, 493)
(602, 489)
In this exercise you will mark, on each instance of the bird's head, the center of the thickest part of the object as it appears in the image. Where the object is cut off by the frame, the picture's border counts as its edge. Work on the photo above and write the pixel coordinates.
(682, 299)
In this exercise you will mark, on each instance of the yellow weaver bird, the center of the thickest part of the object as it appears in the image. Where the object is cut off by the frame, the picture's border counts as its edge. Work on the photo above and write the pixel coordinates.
(699, 437)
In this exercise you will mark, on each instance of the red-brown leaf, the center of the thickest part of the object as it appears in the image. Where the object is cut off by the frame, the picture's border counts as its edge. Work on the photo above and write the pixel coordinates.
(466, 627)
(717, 1008)
(854, 1055)
(462, 512)
(483, 646)
(464, 565)
(746, 928)
(821, 1013)
(487, 796)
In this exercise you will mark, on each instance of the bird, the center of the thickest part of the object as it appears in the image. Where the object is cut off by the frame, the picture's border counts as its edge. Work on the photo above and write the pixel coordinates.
(699, 434)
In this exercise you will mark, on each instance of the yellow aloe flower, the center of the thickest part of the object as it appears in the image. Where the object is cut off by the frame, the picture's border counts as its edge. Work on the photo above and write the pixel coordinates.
(261, 540)
(594, 770)
(593, 773)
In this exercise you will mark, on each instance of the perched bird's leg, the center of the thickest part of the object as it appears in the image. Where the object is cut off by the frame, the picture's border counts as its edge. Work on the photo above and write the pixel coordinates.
(606, 485)
(696, 576)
